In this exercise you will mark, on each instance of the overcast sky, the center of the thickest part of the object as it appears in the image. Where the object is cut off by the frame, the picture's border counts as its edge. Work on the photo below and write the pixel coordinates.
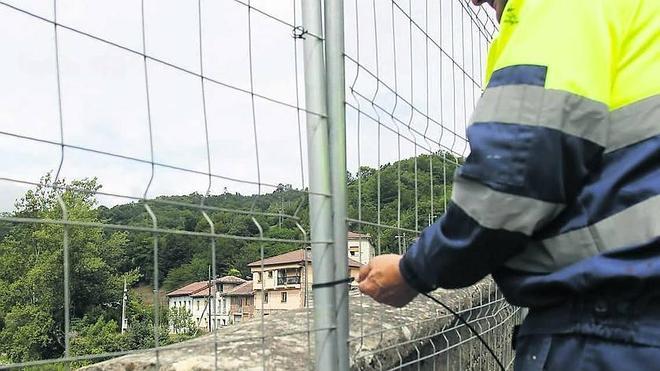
(104, 104)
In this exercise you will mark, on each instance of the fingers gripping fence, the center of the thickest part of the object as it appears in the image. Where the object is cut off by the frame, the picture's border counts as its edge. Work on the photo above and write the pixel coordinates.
(218, 154)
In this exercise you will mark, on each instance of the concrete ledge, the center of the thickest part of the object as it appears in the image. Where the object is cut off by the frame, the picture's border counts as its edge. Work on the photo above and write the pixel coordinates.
(379, 337)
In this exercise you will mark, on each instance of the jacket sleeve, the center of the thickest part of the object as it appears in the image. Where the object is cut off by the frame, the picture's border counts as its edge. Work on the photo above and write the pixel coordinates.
(538, 129)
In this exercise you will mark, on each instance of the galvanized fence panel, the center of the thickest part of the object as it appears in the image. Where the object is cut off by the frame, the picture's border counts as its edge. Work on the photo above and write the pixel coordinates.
(158, 98)
(414, 72)
(210, 99)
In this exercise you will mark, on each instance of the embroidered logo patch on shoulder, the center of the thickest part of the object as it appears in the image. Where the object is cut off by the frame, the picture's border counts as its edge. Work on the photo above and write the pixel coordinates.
(510, 17)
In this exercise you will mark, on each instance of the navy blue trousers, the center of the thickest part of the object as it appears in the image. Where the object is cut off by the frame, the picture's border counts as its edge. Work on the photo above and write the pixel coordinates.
(575, 352)
(594, 334)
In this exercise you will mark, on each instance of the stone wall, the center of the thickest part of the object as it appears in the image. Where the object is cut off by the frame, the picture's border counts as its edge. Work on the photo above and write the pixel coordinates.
(380, 337)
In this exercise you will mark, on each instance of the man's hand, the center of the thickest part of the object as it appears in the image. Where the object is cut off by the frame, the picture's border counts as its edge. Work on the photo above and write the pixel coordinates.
(382, 280)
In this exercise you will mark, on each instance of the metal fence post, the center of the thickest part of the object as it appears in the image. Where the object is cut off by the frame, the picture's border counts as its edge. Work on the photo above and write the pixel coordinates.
(335, 80)
(320, 199)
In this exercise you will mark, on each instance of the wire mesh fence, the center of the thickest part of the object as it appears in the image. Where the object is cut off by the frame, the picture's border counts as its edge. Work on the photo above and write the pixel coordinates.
(413, 77)
(431, 339)
(151, 144)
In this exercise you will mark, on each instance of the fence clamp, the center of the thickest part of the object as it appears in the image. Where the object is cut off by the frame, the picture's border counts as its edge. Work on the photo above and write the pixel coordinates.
(299, 32)
(332, 283)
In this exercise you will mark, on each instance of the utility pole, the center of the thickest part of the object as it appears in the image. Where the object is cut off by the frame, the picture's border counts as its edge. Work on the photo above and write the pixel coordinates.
(281, 208)
(208, 302)
(124, 299)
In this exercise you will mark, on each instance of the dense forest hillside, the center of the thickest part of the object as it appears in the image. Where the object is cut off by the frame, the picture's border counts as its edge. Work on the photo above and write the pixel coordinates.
(185, 258)
(31, 268)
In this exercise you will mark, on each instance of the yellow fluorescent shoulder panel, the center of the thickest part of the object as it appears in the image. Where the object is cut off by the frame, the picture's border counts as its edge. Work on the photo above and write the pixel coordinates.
(638, 72)
(582, 42)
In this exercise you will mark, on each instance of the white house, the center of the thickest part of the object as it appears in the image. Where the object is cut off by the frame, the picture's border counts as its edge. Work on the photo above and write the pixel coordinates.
(195, 296)
(202, 307)
(183, 297)
(360, 248)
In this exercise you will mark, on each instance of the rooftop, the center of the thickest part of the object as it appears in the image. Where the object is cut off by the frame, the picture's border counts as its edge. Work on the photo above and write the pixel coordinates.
(201, 288)
(244, 289)
(230, 279)
(358, 236)
(203, 293)
(190, 289)
(294, 257)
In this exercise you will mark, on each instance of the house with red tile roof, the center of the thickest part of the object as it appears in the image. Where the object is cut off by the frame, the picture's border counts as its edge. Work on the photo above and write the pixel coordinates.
(198, 298)
(241, 302)
(181, 297)
(283, 282)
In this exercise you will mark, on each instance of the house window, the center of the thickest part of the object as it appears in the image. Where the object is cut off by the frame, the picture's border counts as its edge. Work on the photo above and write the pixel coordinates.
(198, 305)
(270, 274)
(258, 277)
(284, 297)
(266, 297)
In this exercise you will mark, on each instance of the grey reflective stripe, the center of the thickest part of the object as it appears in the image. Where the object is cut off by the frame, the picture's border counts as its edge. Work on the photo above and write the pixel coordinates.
(537, 106)
(634, 123)
(499, 210)
(555, 253)
(633, 226)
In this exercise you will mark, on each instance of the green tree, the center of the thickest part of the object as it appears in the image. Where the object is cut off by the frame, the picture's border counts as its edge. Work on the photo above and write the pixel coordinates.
(27, 332)
(234, 272)
(31, 269)
(101, 336)
(141, 325)
(181, 321)
(196, 270)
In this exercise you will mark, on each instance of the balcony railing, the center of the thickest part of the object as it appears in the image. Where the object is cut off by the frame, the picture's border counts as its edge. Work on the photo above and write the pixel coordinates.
(288, 280)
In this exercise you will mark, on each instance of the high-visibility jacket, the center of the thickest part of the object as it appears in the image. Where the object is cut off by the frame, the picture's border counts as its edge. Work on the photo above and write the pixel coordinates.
(560, 195)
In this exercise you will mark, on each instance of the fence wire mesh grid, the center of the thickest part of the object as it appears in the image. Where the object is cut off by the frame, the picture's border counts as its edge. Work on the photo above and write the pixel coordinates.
(167, 171)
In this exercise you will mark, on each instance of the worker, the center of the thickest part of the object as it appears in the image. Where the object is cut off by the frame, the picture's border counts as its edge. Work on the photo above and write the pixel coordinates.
(559, 198)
